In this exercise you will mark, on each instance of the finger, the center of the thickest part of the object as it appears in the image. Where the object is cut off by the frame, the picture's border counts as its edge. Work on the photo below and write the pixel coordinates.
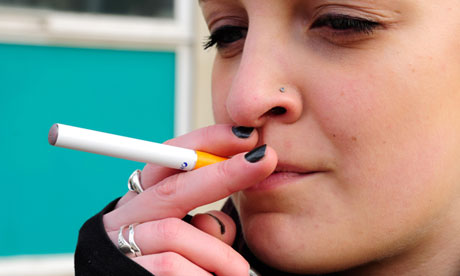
(127, 197)
(217, 139)
(224, 140)
(180, 193)
(134, 186)
(170, 264)
(175, 235)
(216, 224)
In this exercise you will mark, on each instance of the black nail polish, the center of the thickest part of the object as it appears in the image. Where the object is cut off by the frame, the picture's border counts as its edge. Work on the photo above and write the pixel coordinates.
(256, 154)
(222, 226)
(242, 132)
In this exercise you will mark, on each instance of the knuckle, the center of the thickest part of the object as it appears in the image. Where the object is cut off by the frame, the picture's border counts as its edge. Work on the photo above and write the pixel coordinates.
(208, 133)
(169, 187)
(168, 263)
(228, 255)
(235, 260)
(223, 171)
(168, 229)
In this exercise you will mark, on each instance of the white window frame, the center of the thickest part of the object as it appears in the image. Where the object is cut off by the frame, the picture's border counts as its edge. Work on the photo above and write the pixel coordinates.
(46, 27)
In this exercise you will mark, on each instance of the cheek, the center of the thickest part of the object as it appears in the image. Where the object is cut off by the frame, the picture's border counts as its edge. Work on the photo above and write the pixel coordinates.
(394, 140)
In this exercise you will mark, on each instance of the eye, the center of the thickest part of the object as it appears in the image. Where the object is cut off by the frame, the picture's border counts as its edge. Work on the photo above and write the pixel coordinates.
(224, 36)
(345, 24)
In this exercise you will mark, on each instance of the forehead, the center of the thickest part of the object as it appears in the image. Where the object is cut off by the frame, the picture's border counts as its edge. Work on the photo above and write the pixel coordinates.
(380, 3)
(388, 9)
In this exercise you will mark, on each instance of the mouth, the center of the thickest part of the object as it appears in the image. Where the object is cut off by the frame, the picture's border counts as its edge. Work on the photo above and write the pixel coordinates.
(284, 175)
(286, 168)
(294, 172)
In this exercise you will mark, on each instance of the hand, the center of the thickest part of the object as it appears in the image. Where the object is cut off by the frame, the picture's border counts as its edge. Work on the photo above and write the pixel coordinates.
(171, 246)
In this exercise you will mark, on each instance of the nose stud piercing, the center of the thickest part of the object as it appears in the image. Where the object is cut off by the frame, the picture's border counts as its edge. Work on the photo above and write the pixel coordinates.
(282, 90)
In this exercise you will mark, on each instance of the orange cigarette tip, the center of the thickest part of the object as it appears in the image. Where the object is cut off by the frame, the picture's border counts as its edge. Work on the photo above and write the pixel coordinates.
(204, 159)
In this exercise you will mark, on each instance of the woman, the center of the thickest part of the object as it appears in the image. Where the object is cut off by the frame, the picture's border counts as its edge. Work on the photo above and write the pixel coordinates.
(358, 103)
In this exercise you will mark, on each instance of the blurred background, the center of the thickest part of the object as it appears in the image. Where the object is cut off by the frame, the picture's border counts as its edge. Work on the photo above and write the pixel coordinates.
(128, 67)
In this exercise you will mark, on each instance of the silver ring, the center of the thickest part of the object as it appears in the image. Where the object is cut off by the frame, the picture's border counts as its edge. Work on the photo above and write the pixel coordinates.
(134, 182)
(123, 245)
(132, 243)
(253, 272)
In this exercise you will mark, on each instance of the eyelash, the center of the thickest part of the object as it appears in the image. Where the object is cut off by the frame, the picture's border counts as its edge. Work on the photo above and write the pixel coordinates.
(339, 23)
(228, 34)
(225, 35)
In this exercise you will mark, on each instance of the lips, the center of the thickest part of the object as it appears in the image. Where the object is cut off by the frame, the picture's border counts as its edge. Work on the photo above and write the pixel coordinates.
(284, 168)
(285, 174)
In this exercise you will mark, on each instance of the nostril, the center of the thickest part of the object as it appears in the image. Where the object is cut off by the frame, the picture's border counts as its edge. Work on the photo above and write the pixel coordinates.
(277, 110)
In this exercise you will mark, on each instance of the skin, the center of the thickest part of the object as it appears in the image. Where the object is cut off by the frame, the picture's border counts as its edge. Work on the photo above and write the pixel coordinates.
(361, 173)
(171, 246)
(378, 113)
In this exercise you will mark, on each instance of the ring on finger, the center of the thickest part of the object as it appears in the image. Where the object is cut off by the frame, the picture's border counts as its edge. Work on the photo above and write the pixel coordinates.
(123, 245)
(134, 182)
(132, 243)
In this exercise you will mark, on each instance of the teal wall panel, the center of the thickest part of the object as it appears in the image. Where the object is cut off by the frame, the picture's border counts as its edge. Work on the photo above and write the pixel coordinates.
(48, 192)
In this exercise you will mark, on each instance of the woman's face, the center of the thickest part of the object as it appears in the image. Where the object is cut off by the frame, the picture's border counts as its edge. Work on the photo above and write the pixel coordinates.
(367, 130)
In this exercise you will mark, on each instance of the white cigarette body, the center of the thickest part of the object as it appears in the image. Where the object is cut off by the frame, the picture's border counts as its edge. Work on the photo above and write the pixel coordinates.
(127, 148)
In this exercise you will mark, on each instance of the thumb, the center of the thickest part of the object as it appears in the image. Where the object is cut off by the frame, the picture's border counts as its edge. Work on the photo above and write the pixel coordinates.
(217, 224)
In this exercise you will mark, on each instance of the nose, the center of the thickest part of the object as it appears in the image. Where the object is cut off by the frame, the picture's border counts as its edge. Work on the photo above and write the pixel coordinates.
(264, 87)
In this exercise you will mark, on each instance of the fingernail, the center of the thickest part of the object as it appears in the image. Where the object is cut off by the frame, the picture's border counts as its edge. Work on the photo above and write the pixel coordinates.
(256, 154)
(242, 131)
(222, 226)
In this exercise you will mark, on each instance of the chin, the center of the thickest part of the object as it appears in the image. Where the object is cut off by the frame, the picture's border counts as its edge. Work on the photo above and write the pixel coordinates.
(275, 239)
